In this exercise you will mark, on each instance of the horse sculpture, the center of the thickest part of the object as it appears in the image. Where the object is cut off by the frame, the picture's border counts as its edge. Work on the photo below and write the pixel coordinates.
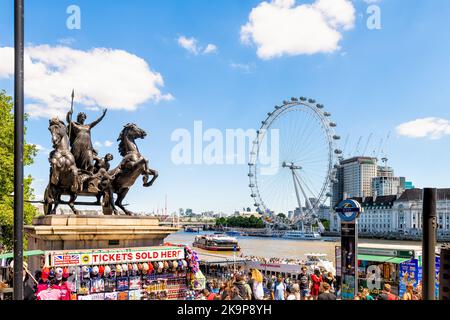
(64, 177)
(132, 166)
(67, 179)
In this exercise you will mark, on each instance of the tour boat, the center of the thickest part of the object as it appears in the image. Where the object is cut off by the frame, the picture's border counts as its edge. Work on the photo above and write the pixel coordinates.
(319, 260)
(216, 242)
(292, 269)
(302, 235)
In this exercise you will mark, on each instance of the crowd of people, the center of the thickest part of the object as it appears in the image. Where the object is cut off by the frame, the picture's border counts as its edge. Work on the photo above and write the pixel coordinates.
(316, 285)
(275, 260)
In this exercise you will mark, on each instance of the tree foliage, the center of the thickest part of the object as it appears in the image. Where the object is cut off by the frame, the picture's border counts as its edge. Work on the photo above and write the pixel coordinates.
(7, 172)
(240, 222)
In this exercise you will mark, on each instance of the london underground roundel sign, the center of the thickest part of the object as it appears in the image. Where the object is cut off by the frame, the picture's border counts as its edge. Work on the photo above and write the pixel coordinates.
(348, 210)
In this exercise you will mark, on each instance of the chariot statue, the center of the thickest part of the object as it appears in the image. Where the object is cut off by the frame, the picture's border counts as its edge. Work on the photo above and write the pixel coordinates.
(76, 168)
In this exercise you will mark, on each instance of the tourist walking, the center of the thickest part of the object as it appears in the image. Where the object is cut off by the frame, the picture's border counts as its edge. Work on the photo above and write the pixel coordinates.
(279, 289)
(326, 294)
(386, 294)
(290, 294)
(331, 280)
(304, 283)
(366, 294)
(244, 289)
(257, 284)
(316, 280)
(409, 294)
(296, 291)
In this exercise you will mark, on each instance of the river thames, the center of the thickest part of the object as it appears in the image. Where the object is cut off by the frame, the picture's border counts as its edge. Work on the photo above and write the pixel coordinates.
(281, 248)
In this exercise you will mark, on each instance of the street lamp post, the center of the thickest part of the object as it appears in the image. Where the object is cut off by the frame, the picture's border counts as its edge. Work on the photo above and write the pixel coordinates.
(18, 147)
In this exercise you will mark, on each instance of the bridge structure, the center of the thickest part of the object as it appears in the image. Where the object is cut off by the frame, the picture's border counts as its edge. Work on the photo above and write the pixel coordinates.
(196, 225)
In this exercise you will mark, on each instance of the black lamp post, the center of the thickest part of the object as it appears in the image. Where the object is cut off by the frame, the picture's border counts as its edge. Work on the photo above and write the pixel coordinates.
(18, 147)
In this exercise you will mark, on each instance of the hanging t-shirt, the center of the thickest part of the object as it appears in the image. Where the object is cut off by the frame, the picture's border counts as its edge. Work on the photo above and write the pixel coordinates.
(122, 284)
(122, 295)
(111, 296)
(135, 283)
(51, 293)
(134, 295)
(84, 286)
(97, 285)
(65, 291)
(110, 284)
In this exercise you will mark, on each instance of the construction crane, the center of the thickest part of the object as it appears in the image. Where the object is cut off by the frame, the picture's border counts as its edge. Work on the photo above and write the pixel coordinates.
(356, 153)
(367, 143)
(381, 150)
(345, 143)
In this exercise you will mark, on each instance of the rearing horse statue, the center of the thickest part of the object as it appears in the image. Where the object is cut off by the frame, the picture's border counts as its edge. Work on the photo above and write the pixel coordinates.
(132, 166)
(64, 178)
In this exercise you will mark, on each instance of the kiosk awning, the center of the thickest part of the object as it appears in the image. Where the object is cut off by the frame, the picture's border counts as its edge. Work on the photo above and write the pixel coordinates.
(396, 260)
(10, 255)
(366, 257)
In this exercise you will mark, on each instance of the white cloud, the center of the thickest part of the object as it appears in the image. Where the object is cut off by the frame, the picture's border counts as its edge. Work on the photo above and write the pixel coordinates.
(66, 41)
(281, 27)
(102, 77)
(245, 67)
(106, 144)
(98, 144)
(192, 46)
(210, 48)
(432, 128)
(41, 148)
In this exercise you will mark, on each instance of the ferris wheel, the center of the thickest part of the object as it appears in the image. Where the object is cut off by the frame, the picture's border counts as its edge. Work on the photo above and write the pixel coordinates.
(293, 161)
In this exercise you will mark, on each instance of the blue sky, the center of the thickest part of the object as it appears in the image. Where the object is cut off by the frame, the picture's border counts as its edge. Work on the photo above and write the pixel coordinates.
(374, 81)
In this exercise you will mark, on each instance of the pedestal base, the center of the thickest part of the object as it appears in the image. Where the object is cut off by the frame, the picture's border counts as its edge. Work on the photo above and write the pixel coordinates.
(70, 232)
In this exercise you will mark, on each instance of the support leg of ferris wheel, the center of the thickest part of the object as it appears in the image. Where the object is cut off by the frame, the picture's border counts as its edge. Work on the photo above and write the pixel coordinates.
(314, 217)
(308, 202)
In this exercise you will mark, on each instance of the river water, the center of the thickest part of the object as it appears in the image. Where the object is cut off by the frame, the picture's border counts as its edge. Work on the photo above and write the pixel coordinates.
(279, 248)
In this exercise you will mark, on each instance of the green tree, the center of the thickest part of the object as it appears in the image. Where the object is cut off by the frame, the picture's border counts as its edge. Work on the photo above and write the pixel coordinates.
(7, 172)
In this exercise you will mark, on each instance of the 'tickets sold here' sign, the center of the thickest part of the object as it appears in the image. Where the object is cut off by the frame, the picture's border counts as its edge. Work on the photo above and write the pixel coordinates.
(66, 258)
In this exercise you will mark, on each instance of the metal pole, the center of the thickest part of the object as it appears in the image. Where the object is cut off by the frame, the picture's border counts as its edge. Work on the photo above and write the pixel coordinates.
(18, 147)
(429, 244)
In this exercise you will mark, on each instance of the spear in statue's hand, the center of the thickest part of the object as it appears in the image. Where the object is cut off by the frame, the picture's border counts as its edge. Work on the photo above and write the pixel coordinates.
(71, 113)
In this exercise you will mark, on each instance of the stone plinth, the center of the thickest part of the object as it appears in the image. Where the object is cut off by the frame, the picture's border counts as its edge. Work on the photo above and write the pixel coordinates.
(70, 232)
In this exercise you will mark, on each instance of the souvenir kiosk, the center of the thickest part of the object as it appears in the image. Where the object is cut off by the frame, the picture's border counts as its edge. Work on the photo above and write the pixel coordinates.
(146, 273)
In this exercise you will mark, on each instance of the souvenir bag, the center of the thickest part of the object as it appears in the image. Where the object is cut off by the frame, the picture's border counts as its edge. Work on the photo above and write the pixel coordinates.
(97, 285)
(84, 287)
(110, 284)
(134, 295)
(135, 283)
(111, 296)
(122, 295)
(122, 284)
(98, 296)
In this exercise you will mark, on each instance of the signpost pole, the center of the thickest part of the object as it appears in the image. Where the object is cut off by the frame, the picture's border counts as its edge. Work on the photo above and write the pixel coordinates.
(349, 210)
(429, 244)
(18, 147)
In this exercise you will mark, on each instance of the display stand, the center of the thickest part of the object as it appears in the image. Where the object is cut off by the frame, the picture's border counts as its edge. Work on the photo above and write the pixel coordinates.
(70, 232)
(147, 273)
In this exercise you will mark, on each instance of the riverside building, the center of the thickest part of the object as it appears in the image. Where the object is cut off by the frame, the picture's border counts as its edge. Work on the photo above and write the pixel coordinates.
(398, 216)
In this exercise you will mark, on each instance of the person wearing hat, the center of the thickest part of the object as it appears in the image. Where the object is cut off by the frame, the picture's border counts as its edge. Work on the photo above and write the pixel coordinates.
(28, 288)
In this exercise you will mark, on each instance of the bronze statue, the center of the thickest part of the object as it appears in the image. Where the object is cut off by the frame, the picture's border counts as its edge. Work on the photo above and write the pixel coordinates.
(132, 166)
(80, 140)
(77, 170)
(64, 177)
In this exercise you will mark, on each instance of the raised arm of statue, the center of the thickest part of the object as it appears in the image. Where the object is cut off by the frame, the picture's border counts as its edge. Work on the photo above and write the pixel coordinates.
(96, 122)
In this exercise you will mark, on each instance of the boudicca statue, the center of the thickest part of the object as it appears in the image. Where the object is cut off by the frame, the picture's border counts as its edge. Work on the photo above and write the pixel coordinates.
(76, 169)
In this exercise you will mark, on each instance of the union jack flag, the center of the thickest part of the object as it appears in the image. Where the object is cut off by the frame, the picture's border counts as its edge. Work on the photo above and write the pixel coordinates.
(66, 259)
